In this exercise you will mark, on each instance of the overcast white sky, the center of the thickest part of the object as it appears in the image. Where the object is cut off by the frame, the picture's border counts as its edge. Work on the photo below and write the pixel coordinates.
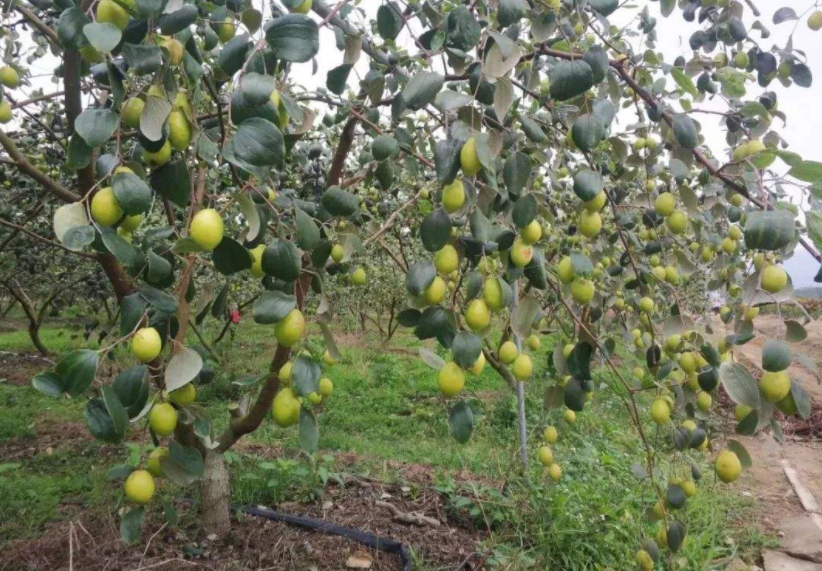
(802, 106)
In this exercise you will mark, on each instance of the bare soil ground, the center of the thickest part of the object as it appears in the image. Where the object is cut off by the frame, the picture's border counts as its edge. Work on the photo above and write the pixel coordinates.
(92, 542)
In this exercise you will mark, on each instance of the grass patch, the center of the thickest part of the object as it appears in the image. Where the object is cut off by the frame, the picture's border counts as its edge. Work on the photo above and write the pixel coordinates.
(386, 412)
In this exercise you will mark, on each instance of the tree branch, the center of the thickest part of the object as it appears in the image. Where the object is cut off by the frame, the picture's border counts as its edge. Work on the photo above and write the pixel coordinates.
(24, 166)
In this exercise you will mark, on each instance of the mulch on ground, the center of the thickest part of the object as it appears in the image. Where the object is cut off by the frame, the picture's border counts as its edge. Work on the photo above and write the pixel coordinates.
(92, 542)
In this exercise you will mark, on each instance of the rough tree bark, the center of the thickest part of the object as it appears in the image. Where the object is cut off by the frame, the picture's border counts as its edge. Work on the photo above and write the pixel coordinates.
(215, 495)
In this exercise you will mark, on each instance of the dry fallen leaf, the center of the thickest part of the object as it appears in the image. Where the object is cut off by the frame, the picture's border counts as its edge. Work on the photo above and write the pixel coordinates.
(360, 560)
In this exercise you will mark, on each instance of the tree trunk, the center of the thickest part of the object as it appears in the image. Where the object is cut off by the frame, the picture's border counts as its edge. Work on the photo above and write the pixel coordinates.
(215, 495)
(34, 333)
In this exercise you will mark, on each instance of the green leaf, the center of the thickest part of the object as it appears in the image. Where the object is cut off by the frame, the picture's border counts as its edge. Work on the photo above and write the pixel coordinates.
(154, 116)
(461, 422)
(573, 395)
(447, 159)
(77, 369)
(579, 361)
(99, 421)
(308, 234)
(116, 411)
(466, 349)
(258, 143)
(309, 436)
(524, 211)
(173, 181)
(233, 55)
(794, 331)
(435, 230)
(79, 153)
(597, 58)
(739, 384)
(50, 384)
(132, 193)
(807, 171)
(78, 237)
(587, 131)
(516, 172)
(419, 277)
(389, 21)
(340, 202)
(737, 448)
(684, 81)
(103, 37)
(305, 375)
(604, 7)
(769, 230)
(569, 79)
(118, 246)
(183, 465)
(131, 387)
(510, 12)
(131, 524)
(588, 184)
(143, 59)
(294, 37)
(70, 28)
(463, 30)
(158, 299)
(183, 368)
(802, 400)
(281, 259)
(685, 131)
(337, 78)
(231, 257)
(96, 126)
(422, 89)
(159, 269)
(178, 20)
(532, 130)
(273, 306)
(784, 14)
(385, 147)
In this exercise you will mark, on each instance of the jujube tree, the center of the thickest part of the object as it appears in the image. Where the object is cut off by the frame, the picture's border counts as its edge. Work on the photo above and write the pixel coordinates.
(560, 165)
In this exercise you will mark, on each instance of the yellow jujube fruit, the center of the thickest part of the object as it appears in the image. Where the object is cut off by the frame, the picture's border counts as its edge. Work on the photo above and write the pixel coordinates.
(146, 344)
(303, 8)
(183, 396)
(477, 316)
(508, 352)
(550, 434)
(207, 229)
(469, 160)
(728, 467)
(665, 204)
(153, 463)
(5, 112)
(256, 268)
(162, 419)
(492, 293)
(435, 293)
(774, 278)
(110, 12)
(139, 487)
(337, 253)
(160, 157)
(290, 329)
(285, 410)
(596, 203)
(546, 456)
(660, 411)
(175, 49)
(105, 210)
(775, 386)
(533, 342)
(326, 387)
(590, 223)
(582, 291)
(453, 196)
(569, 416)
(531, 233)
(555, 472)
(565, 270)
(9, 77)
(446, 260)
(179, 131)
(521, 253)
(522, 367)
(450, 379)
(478, 366)
(358, 277)
(677, 222)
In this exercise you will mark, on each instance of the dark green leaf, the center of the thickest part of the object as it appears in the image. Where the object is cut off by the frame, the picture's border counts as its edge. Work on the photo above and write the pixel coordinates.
(309, 436)
(281, 259)
(131, 524)
(461, 422)
(570, 78)
(294, 37)
(422, 89)
(230, 257)
(273, 306)
(466, 349)
(96, 126)
(305, 374)
(419, 277)
(77, 369)
(132, 193)
(435, 230)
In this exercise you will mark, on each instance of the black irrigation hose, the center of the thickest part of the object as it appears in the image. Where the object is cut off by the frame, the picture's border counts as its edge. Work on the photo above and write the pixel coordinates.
(382, 543)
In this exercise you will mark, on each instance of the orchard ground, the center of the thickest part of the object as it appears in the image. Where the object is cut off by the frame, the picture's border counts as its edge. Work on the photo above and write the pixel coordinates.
(384, 436)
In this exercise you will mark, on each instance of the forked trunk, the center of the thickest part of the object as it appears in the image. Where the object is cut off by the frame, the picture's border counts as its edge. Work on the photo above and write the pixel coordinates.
(215, 495)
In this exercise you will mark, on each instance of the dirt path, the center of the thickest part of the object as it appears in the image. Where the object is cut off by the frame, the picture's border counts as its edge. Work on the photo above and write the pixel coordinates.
(780, 507)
